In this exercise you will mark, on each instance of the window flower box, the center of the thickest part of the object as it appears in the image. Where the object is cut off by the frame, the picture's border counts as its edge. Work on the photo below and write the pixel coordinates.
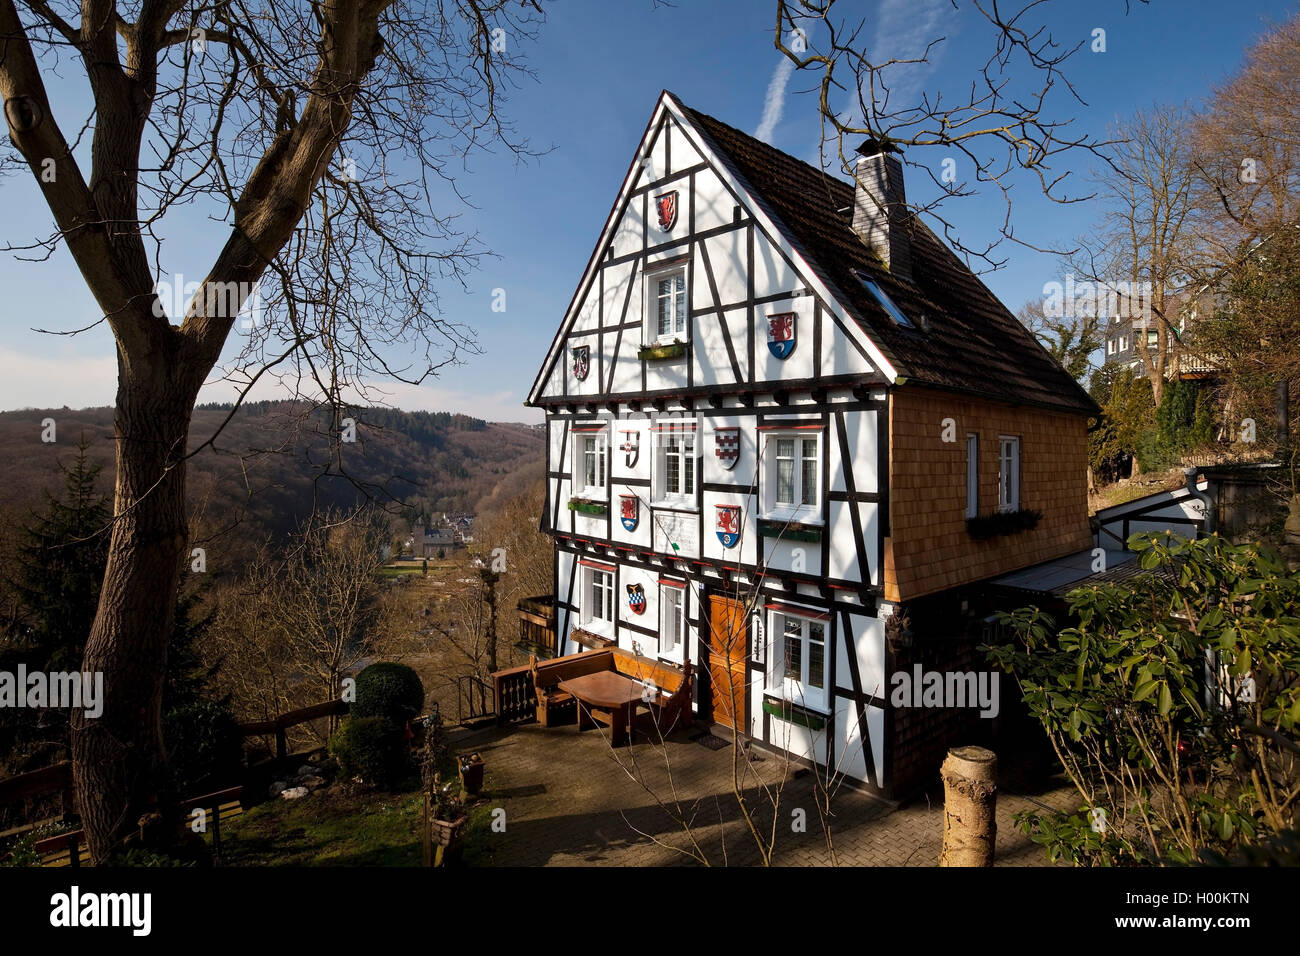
(587, 506)
(789, 530)
(793, 713)
(656, 353)
(983, 527)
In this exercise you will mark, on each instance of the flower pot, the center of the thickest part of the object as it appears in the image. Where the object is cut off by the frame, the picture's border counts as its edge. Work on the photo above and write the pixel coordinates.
(446, 832)
(654, 353)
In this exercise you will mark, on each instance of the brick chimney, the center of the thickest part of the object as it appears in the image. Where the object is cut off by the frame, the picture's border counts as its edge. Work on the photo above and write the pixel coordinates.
(880, 215)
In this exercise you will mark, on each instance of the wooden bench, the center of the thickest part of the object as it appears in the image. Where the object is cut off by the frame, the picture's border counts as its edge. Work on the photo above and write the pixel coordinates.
(555, 706)
(667, 701)
(671, 699)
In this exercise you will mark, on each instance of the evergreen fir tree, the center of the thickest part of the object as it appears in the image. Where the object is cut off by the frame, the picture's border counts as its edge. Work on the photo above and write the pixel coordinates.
(61, 567)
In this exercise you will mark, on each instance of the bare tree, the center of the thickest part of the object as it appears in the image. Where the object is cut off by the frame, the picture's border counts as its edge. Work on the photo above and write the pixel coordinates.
(1007, 122)
(1139, 253)
(242, 107)
(302, 616)
(1247, 151)
(1070, 339)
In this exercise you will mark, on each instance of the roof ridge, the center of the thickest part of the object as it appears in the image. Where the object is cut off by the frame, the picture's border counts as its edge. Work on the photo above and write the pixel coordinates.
(762, 143)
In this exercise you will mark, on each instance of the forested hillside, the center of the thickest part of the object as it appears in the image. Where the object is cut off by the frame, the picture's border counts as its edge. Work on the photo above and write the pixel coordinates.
(273, 462)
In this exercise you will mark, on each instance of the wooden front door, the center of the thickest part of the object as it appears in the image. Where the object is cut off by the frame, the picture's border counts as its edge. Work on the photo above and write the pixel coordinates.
(728, 650)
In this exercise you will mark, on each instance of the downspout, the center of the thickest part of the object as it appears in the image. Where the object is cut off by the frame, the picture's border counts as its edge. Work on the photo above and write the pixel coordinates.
(1192, 474)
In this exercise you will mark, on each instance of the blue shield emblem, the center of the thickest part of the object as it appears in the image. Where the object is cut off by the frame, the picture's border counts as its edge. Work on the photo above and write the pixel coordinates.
(728, 525)
(780, 334)
(636, 598)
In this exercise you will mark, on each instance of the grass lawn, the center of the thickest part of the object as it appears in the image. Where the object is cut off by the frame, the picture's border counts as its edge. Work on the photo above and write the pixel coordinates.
(341, 828)
(392, 572)
(347, 826)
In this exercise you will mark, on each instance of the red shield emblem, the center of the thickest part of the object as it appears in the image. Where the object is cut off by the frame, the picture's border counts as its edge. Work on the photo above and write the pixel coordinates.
(780, 334)
(728, 525)
(666, 206)
(630, 511)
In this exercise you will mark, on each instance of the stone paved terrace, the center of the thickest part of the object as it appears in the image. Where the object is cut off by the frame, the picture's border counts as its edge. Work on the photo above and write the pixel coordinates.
(571, 800)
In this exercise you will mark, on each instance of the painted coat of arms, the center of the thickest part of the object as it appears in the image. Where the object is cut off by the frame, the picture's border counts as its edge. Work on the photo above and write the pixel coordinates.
(636, 598)
(780, 334)
(631, 447)
(726, 445)
(666, 207)
(728, 525)
(581, 361)
(630, 511)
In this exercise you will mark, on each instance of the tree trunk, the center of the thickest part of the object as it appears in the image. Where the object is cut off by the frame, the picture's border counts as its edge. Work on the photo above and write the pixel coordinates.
(970, 797)
(119, 762)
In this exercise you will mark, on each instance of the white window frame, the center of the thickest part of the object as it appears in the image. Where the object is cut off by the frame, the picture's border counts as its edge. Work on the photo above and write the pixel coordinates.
(796, 689)
(1123, 343)
(798, 510)
(1008, 473)
(691, 459)
(580, 487)
(594, 591)
(650, 325)
(1110, 346)
(674, 607)
(972, 475)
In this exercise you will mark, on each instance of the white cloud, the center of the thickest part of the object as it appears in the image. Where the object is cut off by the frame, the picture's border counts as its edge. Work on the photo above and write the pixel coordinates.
(78, 381)
(53, 381)
(902, 30)
(774, 100)
(498, 406)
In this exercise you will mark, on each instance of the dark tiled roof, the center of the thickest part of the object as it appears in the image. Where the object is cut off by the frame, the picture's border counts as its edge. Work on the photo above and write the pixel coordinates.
(973, 344)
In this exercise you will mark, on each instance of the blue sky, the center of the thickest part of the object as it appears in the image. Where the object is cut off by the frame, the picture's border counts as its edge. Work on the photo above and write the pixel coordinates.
(599, 69)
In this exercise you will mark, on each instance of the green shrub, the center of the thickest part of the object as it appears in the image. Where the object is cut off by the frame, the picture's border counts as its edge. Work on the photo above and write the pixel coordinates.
(388, 689)
(21, 853)
(373, 748)
(1151, 455)
(140, 856)
(204, 745)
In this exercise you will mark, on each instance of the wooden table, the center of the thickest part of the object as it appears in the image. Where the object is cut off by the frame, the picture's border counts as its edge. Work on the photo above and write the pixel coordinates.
(608, 695)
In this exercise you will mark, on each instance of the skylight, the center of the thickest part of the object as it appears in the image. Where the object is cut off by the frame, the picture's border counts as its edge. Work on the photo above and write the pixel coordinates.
(885, 301)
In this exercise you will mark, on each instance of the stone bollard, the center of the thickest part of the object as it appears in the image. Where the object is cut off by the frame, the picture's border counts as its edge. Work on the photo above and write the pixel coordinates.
(970, 801)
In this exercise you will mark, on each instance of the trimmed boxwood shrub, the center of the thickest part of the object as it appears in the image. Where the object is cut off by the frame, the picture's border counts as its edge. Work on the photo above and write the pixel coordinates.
(373, 748)
(205, 746)
(388, 689)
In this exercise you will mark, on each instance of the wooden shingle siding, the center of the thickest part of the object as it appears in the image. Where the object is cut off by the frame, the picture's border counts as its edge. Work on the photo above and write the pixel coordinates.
(929, 548)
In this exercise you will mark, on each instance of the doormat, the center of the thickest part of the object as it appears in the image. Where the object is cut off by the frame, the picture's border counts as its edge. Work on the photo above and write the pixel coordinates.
(710, 741)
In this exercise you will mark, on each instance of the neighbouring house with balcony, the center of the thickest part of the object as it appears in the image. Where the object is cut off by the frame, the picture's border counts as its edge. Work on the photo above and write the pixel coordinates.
(1126, 337)
(790, 439)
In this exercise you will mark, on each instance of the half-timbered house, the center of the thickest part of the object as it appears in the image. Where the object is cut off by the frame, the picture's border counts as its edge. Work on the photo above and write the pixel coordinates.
(788, 432)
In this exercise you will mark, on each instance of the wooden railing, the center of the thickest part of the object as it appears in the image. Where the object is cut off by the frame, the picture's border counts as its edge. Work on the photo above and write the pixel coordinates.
(37, 783)
(475, 698)
(516, 697)
(65, 849)
(280, 725)
(58, 779)
(537, 624)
